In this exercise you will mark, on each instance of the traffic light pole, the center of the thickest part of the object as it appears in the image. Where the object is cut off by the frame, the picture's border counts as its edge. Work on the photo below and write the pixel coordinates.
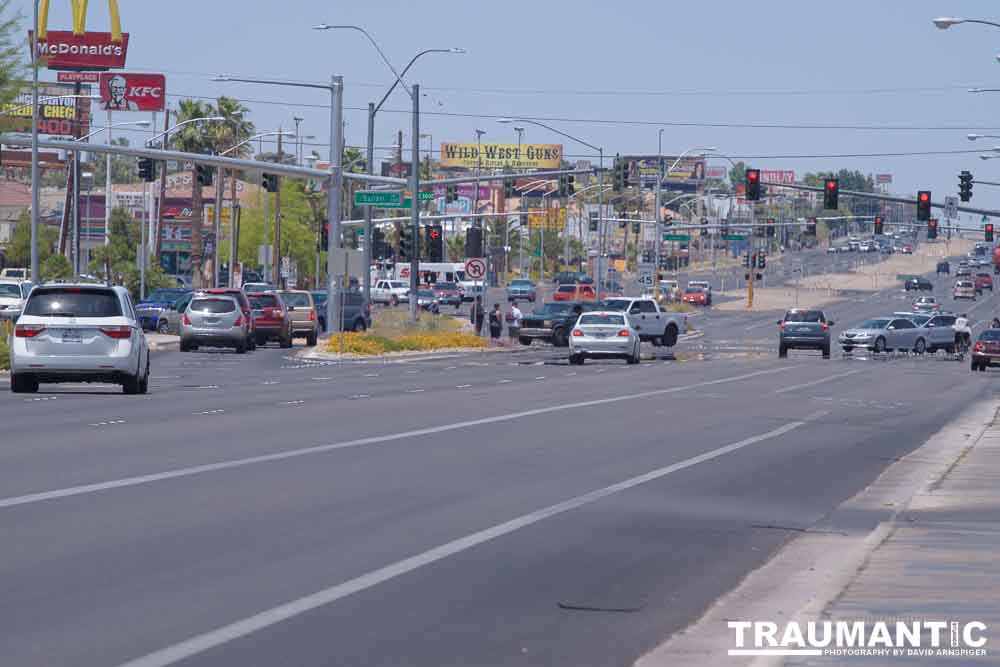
(753, 263)
(369, 233)
(334, 320)
(415, 205)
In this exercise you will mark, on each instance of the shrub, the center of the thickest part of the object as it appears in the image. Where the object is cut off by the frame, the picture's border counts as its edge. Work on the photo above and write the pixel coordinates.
(374, 344)
(5, 332)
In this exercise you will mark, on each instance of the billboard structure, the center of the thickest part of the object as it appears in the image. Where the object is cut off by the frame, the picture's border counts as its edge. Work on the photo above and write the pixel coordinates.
(128, 91)
(688, 174)
(57, 117)
(501, 156)
(78, 49)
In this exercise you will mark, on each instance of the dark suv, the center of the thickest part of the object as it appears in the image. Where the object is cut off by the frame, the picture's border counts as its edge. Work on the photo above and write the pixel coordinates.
(919, 284)
(804, 329)
(553, 321)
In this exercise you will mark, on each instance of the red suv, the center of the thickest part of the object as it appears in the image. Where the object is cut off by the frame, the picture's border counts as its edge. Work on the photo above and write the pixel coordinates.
(244, 302)
(984, 281)
(270, 319)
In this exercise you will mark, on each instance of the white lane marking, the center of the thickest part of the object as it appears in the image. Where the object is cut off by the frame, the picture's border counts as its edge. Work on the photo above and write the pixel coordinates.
(322, 378)
(503, 381)
(291, 403)
(462, 386)
(540, 377)
(450, 368)
(357, 396)
(758, 325)
(413, 391)
(371, 375)
(265, 619)
(360, 442)
(110, 422)
(411, 372)
(796, 387)
(41, 398)
(209, 412)
(270, 382)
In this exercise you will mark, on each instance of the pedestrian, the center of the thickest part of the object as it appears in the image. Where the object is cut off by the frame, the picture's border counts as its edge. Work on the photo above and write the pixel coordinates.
(476, 315)
(996, 323)
(514, 321)
(496, 322)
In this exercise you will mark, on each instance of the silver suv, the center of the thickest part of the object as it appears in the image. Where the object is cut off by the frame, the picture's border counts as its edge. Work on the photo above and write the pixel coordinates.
(214, 320)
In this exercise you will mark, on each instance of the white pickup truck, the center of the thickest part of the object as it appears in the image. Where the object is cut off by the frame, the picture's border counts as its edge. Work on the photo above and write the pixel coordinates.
(654, 324)
(390, 292)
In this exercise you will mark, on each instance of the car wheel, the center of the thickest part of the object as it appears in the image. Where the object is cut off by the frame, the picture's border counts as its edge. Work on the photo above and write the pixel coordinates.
(144, 382)
(394, 301)
(130, 385)
(285, 342)
(657, 341)
(782, 351)
(826, 351)
(559, 338)
(576, 359)
(260, 340)
(23, 384)
(879, 344)
(670, 338)
(162, 326)
(250, 343)
(920, 347)
(185, 346)
(359, 326)
(524, 340)
(311, 339)
(847, 349)
(974, 366)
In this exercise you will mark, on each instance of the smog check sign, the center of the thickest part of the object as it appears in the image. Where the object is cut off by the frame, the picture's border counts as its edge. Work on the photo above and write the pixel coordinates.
(475, 269)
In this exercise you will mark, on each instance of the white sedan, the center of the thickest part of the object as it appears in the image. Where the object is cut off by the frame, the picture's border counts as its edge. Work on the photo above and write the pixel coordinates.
(79, 333)
(603, 334)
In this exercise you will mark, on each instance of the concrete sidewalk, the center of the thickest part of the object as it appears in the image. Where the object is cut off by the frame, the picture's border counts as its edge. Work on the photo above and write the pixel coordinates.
(934, 555)
(158, 342)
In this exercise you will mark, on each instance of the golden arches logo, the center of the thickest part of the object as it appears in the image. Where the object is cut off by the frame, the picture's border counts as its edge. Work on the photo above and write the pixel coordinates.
(80, 19)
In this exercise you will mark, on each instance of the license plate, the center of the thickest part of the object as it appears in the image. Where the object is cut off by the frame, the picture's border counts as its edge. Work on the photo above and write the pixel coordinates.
(72, 337)
(598, 334)
(803, 330)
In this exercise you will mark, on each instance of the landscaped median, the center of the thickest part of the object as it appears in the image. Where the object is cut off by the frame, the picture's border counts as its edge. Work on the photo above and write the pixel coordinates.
(5, 332)
(392, 332)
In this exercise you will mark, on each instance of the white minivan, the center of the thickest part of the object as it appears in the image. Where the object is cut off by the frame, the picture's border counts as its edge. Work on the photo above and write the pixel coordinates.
(79, 333)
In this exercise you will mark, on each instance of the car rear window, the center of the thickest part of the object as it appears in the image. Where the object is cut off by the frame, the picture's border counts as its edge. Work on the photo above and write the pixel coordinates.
(216, 306)
(804, 316)
(73, 302)
(990, 334)
(295, 298)
(567, 288)
(263, 301)
(10, 291)
(602, 318)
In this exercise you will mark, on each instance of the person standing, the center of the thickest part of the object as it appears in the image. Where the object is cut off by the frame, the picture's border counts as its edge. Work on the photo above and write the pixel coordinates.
(476, 315)
(514, 319)
(496, 322)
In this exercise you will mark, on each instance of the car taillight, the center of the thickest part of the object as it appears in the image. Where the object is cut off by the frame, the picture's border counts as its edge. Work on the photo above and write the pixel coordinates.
(28, 330)
(623, 333)
(979, 347)
(185, 320)
(577, 332)
(781, 325)
(118, 333)
(826, 327)
(312, 315)
(238, 322)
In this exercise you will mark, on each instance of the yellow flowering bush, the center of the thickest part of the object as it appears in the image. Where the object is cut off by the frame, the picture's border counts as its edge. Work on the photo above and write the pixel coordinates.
(5, 331)
(375, 344)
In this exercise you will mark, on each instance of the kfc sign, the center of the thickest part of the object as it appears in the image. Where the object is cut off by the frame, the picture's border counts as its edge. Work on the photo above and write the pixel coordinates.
(127, 91)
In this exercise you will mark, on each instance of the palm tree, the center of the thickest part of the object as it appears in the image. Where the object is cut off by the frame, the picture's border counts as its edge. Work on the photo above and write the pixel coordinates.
(195, 138)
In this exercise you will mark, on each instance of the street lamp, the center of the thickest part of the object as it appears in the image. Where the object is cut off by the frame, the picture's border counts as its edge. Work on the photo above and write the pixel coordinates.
(283, 133)
(600, 179)
(166, 132)
(945, 22)
(372, 110)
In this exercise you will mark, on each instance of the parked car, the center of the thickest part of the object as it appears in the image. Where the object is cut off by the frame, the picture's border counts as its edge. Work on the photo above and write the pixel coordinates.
(553, 321)
(448, 294)
(986, 351)
(390, 292)
(925, 304)
(521, 288)
(214, 320)
(881, 334)
(804, 329)
(241, 298)
(575, 292)
(79, 333)
(943, 267)
(270, 319)
(919, 284)
(984, 281)
(964, 289)
(652, 322)
(151, 308)
(302, 312)
(603, 334)
(13, 294)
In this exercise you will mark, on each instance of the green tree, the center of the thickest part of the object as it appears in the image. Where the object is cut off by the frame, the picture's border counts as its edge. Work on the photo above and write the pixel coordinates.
(123, 169)
(11, 50)
(737, 173)
(195, 138)
(120, 253)
(56, 267)
(19, 246)
(455, 247)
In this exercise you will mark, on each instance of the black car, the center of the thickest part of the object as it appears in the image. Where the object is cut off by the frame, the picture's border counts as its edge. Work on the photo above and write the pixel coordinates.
(804, 329)
(943, 267)
(919, 284)
(553, 321)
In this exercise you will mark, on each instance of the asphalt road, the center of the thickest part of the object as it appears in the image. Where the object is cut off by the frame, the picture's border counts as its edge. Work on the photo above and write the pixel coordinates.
(494, 509)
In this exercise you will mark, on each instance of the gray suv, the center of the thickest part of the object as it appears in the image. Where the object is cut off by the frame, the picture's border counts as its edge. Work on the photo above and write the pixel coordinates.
(804, 329)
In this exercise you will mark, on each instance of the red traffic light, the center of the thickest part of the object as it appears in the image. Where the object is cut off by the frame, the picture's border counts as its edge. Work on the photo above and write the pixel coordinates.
(752, 175)
(435, 234)
(989, 226)
(830, 185)
(924, 196)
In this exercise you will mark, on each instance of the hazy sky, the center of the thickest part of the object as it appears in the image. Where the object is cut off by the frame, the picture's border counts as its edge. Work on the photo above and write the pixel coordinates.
(612, 73)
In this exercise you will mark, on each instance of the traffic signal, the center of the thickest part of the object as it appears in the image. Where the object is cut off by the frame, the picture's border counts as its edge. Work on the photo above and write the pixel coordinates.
(509, 191)
(408, 249)
(878, 226)
(770, 228)
(831, 193)
(434, 243)
(746, 260)
(932, 229)
(147, 169)
(621, 174)
(204, 174)
(761, 260)
(988, 232)
(474, 242)
(965, 185)
(704, 228)
(270, 182)
(636, 227)
(811, 227)
(450, 193)
(379, 248)
(324, 238)
(594, 217)
(570, 184)
(924, 205)
(753, 184)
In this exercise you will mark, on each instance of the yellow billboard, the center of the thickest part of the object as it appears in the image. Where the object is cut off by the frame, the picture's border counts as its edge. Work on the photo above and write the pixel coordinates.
(501, 156)
(552, 219)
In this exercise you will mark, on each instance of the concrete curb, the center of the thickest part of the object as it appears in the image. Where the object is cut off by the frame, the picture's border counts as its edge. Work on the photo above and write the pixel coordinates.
(161, 346)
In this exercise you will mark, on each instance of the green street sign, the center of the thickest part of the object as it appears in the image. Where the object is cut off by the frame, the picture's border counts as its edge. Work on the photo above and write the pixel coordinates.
(426, 195)
(386, 199)
(676, 237)
(734, 237)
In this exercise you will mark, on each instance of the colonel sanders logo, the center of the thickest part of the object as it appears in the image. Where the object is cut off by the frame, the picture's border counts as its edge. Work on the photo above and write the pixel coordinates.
(117, 86)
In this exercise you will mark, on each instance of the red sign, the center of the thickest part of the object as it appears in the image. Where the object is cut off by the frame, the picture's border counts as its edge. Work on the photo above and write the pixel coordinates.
(78, 77)
(127, 91)
(92, 50)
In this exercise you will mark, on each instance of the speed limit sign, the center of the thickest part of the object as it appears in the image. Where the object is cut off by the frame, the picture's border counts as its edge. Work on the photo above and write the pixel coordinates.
(475, 269)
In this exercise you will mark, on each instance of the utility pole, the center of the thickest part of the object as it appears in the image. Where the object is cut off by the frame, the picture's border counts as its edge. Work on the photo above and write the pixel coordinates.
(280, 282)
(335, 191)
(369, 233)
(414, 200)
(158, 231)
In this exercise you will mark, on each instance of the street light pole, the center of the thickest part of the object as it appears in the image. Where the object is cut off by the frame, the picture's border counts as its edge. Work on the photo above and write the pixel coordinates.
(35, 179)
(415, 201)
(333, 308)
(658, 217)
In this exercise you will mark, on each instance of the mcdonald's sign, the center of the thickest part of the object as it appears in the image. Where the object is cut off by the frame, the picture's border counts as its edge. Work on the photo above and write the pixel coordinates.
(78, 49)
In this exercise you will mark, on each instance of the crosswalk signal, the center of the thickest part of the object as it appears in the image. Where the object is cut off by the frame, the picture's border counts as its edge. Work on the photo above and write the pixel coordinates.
(379, 247)
(147, 169)
(704, 226)
(932, 229)
(204, 174)
(924, 205)
(324, 242)
(450, 193)
(878, 226)
(753, 184)
(474, 242)
(988, 232)
(270, 182)
(434, 243)
(811, 227)
(770, 228)
(965, 185)
(831, 193)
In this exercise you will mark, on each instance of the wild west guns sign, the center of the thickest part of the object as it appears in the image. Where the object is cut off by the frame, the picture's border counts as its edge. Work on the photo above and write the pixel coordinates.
(499, 156)
(78, 49)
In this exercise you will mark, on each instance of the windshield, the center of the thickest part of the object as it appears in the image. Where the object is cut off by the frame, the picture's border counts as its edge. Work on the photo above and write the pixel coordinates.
(567, 289)
(919, 320)
(617, 304)
(602, 319)
(9, 291)
(990, 335)
(396, 284)
(695, 290)
(295, 299)
(263, 301)
(214, 306)
(878, 323)
(521, 282)
(73, 302)
(551, 309)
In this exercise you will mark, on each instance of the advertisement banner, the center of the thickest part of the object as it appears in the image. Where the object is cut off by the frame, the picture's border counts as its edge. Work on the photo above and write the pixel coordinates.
(62, 49)
(553, 219)
(128, 91)
(776, 176)
(686, 173)
(56, 116)
(717, 172)
(397, 169)
(501, 156)
(883, 179)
